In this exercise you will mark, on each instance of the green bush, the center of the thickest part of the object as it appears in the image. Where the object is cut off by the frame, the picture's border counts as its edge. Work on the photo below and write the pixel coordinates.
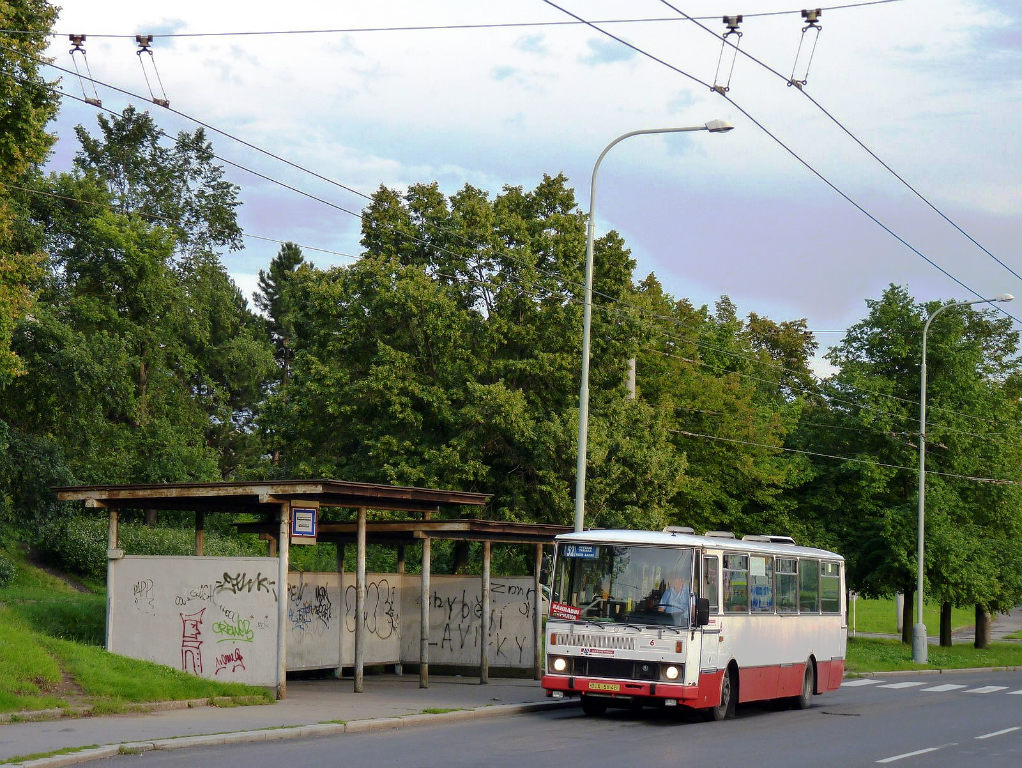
(78, 544)
(7, 571)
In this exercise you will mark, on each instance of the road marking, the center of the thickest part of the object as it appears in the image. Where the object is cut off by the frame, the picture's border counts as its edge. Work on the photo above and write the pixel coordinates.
(903, 685)
(942, 688)
(917, 752)
(1015, 693)
(860, 681)
(988, 689)
(1000, 733)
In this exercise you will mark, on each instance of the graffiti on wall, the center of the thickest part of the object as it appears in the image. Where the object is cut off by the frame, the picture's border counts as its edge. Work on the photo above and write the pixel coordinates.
(381, 615)
(213, 617)
(309, 608)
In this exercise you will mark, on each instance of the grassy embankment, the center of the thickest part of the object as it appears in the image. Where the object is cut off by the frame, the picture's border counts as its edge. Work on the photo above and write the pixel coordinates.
(51, 655)
(867, 655)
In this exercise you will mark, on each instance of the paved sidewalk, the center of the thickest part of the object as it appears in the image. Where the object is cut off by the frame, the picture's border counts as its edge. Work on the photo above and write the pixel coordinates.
(313, 707)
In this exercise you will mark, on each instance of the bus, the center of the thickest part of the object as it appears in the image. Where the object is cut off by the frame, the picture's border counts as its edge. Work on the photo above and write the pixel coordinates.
(679, 620)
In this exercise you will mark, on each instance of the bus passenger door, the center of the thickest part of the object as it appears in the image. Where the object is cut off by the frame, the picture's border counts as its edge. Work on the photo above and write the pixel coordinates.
(709, 587)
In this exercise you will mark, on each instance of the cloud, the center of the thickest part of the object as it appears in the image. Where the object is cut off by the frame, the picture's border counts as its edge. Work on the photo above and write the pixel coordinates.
(606, 52)
(532, 44)
(503, 73)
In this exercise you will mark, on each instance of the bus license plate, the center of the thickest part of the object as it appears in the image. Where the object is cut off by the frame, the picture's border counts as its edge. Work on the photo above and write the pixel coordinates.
(604, 687)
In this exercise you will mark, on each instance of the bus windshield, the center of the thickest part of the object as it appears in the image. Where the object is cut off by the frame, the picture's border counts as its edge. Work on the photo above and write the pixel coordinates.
(623, 583)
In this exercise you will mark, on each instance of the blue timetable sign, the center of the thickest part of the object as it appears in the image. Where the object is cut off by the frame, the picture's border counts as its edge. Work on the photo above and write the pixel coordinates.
(303, 524)
(581, 551)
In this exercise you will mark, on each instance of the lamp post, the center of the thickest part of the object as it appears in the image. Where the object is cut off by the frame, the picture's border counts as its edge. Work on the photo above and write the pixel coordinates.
(714, 126)
(919, 628)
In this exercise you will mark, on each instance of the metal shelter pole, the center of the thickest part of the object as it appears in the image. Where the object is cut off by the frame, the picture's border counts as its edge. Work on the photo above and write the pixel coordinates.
(111, 547)
(424, 616)
(399, 667)
(484, 619)
(537, 615)
(283, 546)
(360, 601)
(200, 533)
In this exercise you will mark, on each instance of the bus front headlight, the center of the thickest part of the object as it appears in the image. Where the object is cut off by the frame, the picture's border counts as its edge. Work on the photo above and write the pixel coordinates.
(560, 664)
(671, 672)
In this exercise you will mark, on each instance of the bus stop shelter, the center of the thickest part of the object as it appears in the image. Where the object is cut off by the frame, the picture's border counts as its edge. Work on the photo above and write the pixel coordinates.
(288, 508)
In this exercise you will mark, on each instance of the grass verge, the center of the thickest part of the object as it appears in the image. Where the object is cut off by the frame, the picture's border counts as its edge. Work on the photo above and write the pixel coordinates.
(50, 657)
(881, 655)
(880, 616)
(39, 755)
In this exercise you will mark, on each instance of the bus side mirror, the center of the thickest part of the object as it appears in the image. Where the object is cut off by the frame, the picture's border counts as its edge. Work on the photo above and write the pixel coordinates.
(702, 611)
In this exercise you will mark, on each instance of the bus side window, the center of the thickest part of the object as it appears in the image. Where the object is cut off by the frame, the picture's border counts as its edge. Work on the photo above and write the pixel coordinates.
(736, 583)
(808, 586)
(786, 584)
(830, 588)
(761, 584)
(709, 585)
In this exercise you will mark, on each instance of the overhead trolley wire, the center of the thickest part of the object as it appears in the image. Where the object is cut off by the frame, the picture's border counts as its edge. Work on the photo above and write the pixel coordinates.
(446, 27)
(788, 149)
(725, 42)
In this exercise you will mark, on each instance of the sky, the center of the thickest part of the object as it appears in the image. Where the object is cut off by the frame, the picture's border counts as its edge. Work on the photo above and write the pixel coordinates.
(932, 87)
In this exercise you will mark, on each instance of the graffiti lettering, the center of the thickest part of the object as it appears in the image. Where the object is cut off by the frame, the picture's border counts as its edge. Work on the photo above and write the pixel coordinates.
(381, 618)
(310, 615)
(234, 660)
(242, 582)
(191, 642)
(203, 592)
(240, 631)
(145, 602)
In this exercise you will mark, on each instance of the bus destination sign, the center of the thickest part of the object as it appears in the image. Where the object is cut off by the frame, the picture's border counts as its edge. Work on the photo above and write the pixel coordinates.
(581, 551)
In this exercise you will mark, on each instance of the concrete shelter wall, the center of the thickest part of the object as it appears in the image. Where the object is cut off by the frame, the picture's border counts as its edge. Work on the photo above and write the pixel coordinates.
(215, 617)
(455, 626)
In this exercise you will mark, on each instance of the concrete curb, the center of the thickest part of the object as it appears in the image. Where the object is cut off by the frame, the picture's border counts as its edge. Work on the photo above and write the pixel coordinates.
(35, 715)
(314, 730)
(910, 672)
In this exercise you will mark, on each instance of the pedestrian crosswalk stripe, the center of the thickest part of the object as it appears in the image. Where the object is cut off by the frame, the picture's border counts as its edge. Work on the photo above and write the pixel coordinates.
(903, 685)
(860, 681)
(987, 689)
(941, 688)
(1015, 693)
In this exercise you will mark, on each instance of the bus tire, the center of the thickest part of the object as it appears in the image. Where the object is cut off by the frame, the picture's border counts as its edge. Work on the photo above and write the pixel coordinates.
(805, 699)
(728, 690)
(593, 706)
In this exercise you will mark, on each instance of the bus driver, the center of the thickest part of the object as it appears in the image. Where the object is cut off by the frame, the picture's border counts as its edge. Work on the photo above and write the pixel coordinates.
(676, 600)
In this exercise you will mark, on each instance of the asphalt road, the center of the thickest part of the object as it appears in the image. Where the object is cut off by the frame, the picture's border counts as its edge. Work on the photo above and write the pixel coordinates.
(953, 719)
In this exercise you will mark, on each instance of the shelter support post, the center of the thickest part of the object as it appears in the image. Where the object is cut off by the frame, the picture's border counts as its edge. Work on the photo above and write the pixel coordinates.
(111, 546)
(339, 671)
(360, 601)
(200, 533)
(537, 614)
(399, 667)
(424, 616)
(283, 540)
(484, 619)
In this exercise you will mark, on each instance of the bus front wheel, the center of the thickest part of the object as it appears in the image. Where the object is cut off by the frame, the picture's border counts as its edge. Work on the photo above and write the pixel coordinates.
(726, 708)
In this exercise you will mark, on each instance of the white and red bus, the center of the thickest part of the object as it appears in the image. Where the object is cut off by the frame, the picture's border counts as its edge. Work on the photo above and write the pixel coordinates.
(706, 622)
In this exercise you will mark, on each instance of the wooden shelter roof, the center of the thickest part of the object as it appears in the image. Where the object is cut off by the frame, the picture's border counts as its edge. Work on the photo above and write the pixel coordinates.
(266, 497)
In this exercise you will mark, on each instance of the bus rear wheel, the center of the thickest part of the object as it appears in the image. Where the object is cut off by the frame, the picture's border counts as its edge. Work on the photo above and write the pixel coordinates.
(726, 708)
(805, 699)
(593, 706)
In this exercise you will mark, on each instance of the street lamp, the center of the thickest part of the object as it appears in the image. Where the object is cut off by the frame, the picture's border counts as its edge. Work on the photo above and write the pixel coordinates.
(919, 628)
(714, 126)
